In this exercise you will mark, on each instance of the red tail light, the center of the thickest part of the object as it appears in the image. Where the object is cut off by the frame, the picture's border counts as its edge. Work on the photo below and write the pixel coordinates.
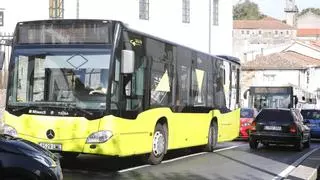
(293, 128)
(253, 126)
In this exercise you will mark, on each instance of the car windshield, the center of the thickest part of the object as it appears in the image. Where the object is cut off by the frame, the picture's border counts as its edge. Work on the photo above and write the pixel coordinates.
(77, 77)
(246, 113)
(267, 115)
(311, 114)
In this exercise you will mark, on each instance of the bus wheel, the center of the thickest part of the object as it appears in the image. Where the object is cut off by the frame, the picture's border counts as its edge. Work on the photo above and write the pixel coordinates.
(159, 145)
(212, 137)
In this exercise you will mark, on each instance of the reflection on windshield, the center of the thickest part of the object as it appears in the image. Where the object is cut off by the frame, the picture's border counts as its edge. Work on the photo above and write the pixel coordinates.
(272, 101)
(79, 79)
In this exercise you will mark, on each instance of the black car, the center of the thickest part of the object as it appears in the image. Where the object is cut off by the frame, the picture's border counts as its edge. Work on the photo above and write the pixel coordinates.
(22, 159)
(279, 126)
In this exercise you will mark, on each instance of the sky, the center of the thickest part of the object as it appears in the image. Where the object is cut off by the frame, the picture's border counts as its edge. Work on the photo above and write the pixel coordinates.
(275, 8)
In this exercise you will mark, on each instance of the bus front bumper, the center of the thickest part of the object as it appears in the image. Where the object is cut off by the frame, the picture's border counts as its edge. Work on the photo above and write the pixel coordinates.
(78, 145)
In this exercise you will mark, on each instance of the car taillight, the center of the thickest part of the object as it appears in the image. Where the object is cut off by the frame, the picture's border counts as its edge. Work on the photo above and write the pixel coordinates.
(253, 126)
(293, 128)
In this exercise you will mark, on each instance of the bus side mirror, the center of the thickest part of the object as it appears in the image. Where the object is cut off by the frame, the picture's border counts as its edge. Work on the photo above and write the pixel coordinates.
(296, 100)
(245, 94)
(127, 61)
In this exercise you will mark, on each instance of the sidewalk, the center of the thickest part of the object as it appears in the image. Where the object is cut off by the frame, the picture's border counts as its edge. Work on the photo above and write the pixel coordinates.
(308, 169)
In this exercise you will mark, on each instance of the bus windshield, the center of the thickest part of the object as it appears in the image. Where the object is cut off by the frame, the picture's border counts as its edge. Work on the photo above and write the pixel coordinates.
(272, 101)
(55, 78)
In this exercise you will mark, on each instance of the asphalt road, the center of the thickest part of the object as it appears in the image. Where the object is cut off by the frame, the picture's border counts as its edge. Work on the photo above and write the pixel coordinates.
(232, 160)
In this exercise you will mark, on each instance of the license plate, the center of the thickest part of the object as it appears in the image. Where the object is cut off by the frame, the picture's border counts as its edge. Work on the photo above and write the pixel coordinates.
(51, 146)
(273, 128)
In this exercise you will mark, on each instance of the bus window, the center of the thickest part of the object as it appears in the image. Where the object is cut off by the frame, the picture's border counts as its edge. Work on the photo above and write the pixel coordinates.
(200, 77)
(219, 94)
(161, 72)
(183, 76)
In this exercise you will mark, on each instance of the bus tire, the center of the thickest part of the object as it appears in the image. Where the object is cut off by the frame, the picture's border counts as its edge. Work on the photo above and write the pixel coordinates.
(212, 137)
(159, 145)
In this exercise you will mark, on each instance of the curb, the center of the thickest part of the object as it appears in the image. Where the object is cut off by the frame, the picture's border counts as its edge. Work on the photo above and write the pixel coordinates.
(307, 169)
(303, 172)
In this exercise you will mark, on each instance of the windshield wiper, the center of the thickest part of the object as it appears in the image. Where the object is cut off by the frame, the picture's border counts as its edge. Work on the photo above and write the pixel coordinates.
(17, 109)
(73, 106)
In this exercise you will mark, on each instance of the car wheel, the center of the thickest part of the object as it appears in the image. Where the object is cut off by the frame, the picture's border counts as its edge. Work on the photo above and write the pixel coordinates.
(253, 144)
(299, 145)
(307, 143)
(266, 145)
(18, 174)
(212, 137)
(159, 145)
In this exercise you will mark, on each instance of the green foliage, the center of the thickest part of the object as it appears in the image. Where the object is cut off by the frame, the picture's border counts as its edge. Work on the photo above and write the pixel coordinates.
(247, 11)
(313, 10)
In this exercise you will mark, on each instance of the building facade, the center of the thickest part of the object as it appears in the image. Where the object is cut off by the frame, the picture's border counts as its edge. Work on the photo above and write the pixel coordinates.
(280, 69)
(253, 38)
(309, 26)
(188, 22)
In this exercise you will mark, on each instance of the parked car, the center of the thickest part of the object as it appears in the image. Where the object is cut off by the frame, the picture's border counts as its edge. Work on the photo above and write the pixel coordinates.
(279, 126)
(246, 117)
(24, 160)
(312, 120)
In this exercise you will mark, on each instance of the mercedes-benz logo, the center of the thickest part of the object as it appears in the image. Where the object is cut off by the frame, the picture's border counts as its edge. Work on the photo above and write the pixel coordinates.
(50, 134)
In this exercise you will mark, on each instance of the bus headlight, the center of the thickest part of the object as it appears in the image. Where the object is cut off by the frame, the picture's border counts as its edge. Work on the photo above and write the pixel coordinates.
(9, 130)
(99, 137)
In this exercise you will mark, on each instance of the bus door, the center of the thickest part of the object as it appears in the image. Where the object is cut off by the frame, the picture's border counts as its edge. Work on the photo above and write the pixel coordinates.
(228, 122)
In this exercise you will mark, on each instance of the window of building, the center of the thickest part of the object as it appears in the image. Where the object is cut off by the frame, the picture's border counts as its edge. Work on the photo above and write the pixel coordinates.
(186, 11)
(248, 32)
(276, 32)
(215, 12)
(242, 32)
(269, 78)
(144, 9)
(260, 32)
(1, 18)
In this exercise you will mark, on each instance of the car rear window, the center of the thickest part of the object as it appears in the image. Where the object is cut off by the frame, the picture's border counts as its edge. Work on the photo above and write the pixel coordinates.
(310, 114)
(246, 113)
(274, 115)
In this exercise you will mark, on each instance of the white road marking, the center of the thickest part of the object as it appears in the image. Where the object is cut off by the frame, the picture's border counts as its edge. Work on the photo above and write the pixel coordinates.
(133, 168)
(290, 168)
(183, 157)
(176, 159)
(223, 149)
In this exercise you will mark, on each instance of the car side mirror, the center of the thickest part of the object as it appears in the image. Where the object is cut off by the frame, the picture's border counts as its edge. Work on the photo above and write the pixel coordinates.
(127, 61)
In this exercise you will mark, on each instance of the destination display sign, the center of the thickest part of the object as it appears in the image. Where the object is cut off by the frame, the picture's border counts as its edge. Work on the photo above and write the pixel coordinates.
(272, 90)
(63, 32)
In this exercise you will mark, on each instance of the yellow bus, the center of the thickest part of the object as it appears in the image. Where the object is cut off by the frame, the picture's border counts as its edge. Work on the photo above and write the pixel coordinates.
(99, 87)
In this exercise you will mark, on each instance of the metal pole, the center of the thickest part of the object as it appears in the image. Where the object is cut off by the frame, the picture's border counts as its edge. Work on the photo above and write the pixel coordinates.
(77, 9)
(55, 9)
(210, 14)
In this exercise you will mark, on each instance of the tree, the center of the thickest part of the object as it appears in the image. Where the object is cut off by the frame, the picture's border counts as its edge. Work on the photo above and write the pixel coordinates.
(313, 10)
(247, 10)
